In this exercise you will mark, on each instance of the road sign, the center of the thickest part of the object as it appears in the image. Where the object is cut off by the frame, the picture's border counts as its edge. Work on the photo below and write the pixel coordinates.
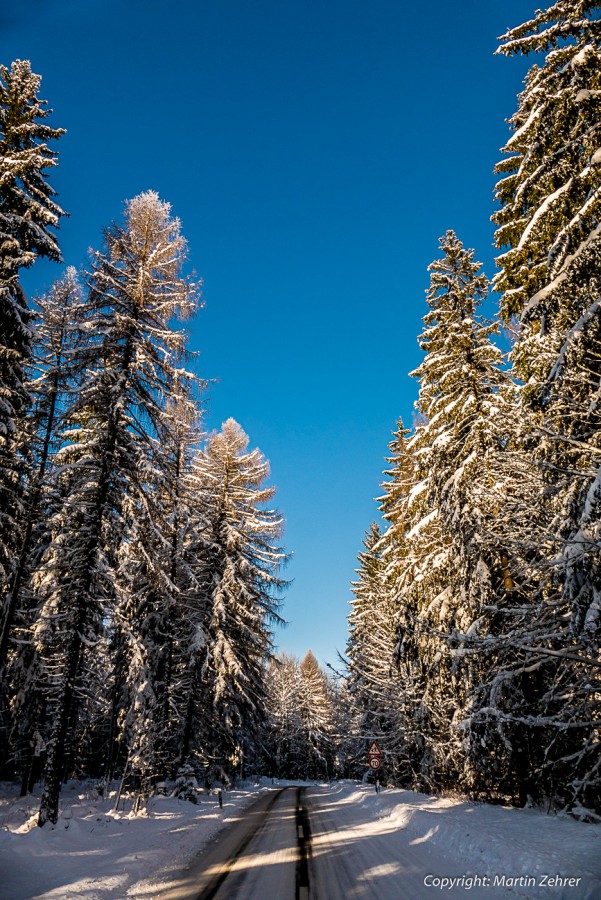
(375, 762)
(374, 750)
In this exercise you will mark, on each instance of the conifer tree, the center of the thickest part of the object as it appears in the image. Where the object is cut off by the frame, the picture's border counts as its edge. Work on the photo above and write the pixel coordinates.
(58, 335)
(373, 674)
(156, 619)
(316, 717)
(284, 738)
(549, 231)
(396, 653)
(28, 213)
(447, 580)
(135, 288)
(300, 736)
(364, 618)
(50, 378)
(550, 193)
(447, 554)
(236, 601)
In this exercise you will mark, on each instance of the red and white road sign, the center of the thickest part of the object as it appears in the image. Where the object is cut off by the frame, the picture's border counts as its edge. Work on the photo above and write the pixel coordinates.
(374, 750)
(375, 762)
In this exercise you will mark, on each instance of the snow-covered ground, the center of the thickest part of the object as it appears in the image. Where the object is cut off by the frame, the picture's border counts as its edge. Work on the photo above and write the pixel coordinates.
(458, 848)
(94, 854)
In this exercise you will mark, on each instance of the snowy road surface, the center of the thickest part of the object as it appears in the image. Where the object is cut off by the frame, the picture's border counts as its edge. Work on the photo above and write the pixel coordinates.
(301, 843)
(255, 858)
(337, 841)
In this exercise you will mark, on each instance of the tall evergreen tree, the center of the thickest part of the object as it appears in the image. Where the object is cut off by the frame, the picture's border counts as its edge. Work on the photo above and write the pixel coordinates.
(451, 574)
(284, 739)
(549, 224)
(550, 193)
(446, 550)
(156, 615)
(317, 719)
(56, 321)
(240, 581)
(58, 335)
(301, 717)
(28, 213)
(373, 678)
(135, 288)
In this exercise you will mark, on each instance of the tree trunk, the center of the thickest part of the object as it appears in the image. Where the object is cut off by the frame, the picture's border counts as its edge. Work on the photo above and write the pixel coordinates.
(53, 772)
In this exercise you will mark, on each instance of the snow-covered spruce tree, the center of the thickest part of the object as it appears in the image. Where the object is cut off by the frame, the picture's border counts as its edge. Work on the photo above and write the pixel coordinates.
(27, 215)
(454, 560)
(49, 377)
(155, 622)
(364, 625)
(50, 380)
(403, 688)
(135, 288)
(387, 679)
(549, 228)
(238, 573)
(316, 717)
(550, 194)
(349, 739)
(373, 680)
(193, 685)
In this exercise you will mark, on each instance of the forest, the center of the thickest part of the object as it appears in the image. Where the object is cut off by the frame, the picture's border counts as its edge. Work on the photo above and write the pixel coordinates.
(141, 566)
(475, 631)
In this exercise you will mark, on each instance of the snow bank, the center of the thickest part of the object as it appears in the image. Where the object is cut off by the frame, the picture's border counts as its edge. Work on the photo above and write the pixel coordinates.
(95, 854)
(481, 839)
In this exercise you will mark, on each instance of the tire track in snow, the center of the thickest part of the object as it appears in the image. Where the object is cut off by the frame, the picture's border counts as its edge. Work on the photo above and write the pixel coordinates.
(303, 834)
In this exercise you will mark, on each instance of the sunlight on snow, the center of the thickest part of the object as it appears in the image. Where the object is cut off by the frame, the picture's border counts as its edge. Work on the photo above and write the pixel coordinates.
(380, 871)
(426, 837)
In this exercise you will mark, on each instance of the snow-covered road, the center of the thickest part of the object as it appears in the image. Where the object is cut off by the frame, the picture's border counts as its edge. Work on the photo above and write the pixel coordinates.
(329, 843)
(301, 843)
(254, 858)
(339, 841)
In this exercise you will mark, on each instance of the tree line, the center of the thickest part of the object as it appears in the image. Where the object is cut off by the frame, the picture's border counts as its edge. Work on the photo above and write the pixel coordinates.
(139, 557)
(474, 643)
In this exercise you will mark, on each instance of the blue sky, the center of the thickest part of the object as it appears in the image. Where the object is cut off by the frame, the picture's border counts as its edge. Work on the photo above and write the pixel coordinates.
(314, 151)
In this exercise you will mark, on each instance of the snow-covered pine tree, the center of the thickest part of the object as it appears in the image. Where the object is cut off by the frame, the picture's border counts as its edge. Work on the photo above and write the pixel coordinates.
(135, 288)
(549, 229)
(403, 688)
(363, 625)
(316, 717)
(193, 684)
(240, 584)
(28, 212)
(349, 739)
(299, 735)
(400, 481)
(550, 193)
